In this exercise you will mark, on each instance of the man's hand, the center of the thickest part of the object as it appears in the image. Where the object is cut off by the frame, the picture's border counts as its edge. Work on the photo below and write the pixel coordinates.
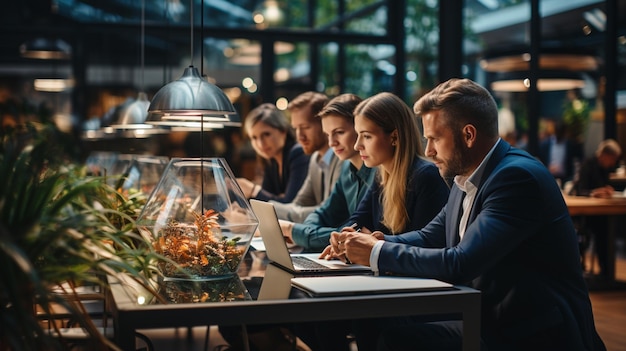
(358, 247)
(351, 246)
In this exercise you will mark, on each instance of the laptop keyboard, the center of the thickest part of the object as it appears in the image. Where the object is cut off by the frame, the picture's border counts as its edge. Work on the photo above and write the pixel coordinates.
(305, 263)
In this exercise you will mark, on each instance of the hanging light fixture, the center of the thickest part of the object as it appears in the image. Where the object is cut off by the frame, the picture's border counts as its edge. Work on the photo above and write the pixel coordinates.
(133, 116)
(46, 49)
(548, 81)
(195, 199)
(53, 85)
(191, 98)
(558, 70)
(548, 61)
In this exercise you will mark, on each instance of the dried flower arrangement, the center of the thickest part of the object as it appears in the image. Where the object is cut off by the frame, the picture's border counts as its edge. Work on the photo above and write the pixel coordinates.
(199, 249)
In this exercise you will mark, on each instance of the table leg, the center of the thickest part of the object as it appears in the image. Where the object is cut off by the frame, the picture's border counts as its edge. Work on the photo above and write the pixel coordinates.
(471, 327)
(124, 336)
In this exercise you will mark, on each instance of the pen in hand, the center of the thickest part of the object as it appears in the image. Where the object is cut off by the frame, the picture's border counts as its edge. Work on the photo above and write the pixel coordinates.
(356, 229)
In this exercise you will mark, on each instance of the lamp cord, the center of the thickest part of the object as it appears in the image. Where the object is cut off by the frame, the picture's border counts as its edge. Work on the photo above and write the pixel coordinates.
(202, 38)
(143, 41)
(201, 116)
(191, 31)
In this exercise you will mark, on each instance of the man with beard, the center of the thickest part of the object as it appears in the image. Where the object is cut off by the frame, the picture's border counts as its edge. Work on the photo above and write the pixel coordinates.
(324, 166)
(505, 231)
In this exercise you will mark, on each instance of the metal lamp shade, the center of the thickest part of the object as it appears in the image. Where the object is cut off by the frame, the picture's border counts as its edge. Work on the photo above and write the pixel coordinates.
(134, 115)
(190, 99)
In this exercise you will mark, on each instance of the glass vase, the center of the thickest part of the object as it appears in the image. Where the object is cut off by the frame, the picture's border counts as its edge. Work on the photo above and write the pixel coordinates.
(198, 218)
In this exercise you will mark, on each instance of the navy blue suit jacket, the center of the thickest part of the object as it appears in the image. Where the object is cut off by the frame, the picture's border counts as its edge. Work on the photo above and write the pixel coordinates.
(519, 249)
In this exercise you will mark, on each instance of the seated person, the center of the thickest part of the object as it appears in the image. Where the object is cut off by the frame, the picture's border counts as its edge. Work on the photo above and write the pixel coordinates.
(407, 193)
(285, 164)
(505, 231)
(324, 166)
(354, 180)
(593, 180)
(559, 153)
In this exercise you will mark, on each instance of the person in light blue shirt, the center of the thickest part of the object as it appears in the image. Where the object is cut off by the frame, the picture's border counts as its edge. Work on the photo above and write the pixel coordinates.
(355, 178)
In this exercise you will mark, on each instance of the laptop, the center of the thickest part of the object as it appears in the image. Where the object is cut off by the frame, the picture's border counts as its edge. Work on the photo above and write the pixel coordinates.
(278, 253)
(363, 285)
(276, 284)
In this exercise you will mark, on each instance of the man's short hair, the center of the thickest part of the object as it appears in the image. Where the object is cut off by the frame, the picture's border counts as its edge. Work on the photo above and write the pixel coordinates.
(315, 100)
(462, 102)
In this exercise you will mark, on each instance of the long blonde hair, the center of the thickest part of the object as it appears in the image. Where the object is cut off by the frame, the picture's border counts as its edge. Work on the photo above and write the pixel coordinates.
(391, 113)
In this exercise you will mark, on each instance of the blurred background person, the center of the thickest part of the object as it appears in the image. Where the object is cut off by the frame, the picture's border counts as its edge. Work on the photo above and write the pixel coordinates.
(285, 164)
(593, 180)
(559, 153)
(324, 166)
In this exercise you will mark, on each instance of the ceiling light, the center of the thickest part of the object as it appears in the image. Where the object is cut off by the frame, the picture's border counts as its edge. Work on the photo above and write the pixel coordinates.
(53, 85)
(133, 116)
(553, 82)
(46, 49)
(268, 14)
(190, 98)
(548, 61)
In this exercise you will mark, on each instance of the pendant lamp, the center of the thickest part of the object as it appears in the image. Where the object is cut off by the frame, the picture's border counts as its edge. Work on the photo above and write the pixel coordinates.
(133, 116)
(559, 69)
(46, 49)
(197, 216)
(191, 98)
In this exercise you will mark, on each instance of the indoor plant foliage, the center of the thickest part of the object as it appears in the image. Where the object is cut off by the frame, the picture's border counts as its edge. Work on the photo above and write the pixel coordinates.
(576, 116)
(58, 227)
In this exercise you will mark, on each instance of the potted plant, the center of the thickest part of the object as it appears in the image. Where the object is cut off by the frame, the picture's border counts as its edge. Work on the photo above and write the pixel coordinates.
(58, 228)
(576, 118)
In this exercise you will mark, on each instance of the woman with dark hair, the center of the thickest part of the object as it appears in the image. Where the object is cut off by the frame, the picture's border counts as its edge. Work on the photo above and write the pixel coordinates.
(285, 164)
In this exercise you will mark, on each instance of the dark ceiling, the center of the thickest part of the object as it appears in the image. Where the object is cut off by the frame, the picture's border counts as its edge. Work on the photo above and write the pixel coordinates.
(108, 31)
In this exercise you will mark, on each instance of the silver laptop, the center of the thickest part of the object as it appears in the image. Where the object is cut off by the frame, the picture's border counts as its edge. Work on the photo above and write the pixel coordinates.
(278, 253)
(363, 285)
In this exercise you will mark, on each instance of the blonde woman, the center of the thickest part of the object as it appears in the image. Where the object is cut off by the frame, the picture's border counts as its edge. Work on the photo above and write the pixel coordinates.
(409, 191)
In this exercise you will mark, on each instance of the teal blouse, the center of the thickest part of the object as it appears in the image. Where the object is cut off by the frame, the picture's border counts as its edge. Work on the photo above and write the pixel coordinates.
(313, 234)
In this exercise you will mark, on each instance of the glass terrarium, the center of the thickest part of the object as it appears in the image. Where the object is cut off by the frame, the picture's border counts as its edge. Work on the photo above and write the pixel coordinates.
(198, 218)
(100, 163)
(142, 173)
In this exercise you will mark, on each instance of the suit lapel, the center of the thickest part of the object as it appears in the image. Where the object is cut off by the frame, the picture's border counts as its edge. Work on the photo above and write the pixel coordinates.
(455, 204)
(502, 148)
